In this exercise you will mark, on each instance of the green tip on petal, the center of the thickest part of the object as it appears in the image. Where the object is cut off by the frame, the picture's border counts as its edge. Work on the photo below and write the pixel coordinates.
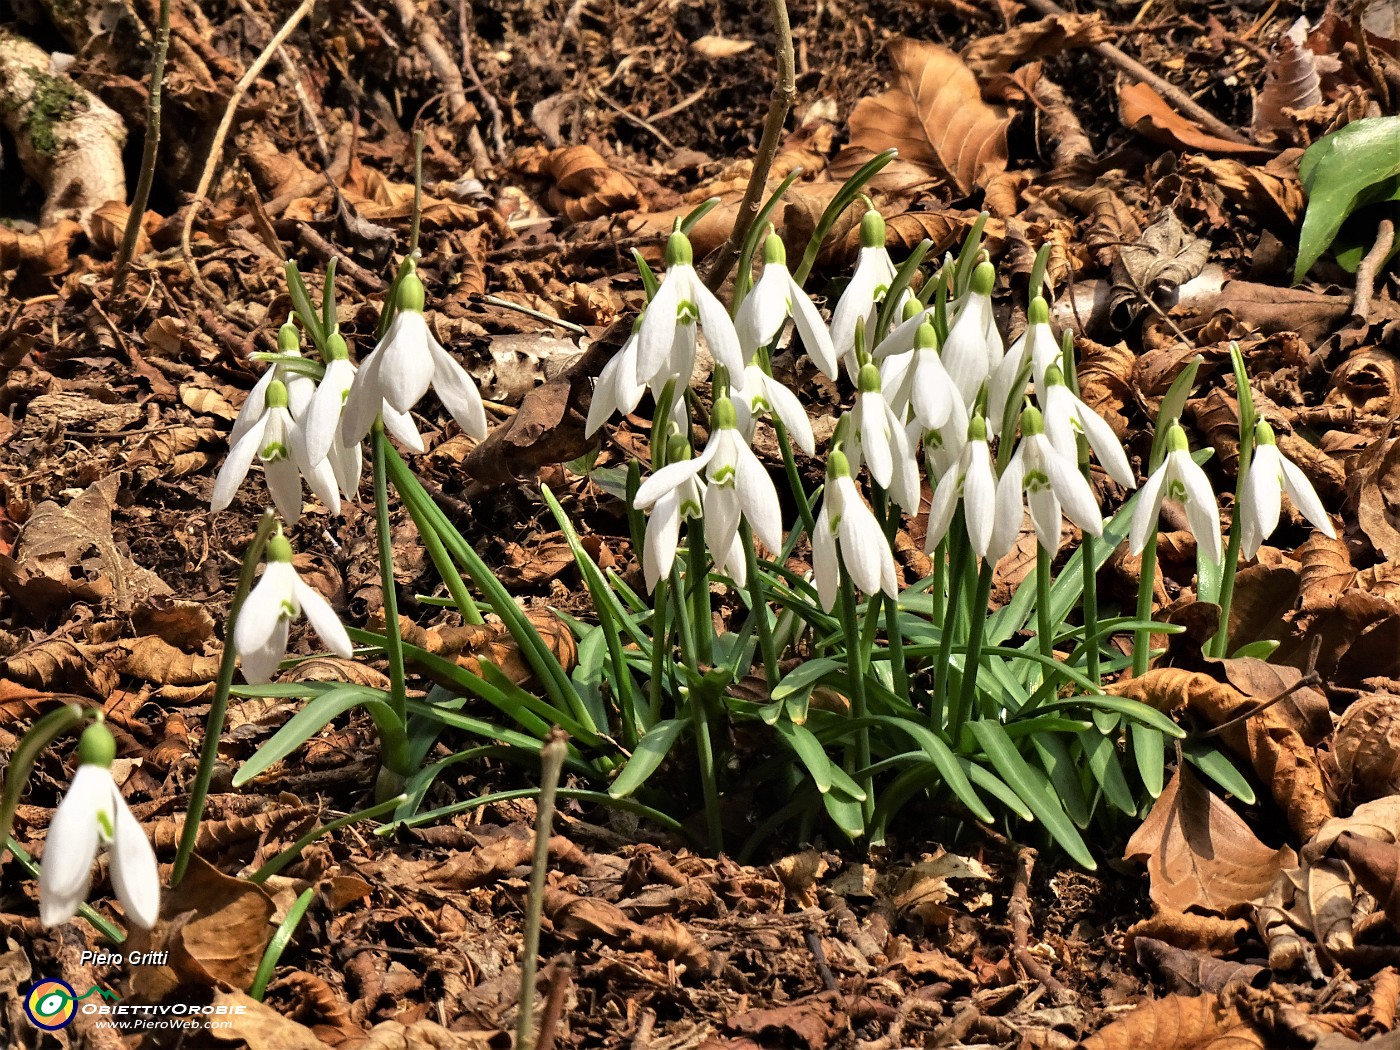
(1039, 312)
(977, 429)
(926, 338)
(412, 297)
(1176, 439)
(912, 308)
(277, 394)
(837, 465)
(1032, 422)
(1053, 376)
(677, 448)
(288, 338)
(723, 416)
(679, 251)
(774, 251)
(984, 278)
(336, 350)
(872, 230)
(279, 548)
(1264, 434)
(97, 746)
(869, 379)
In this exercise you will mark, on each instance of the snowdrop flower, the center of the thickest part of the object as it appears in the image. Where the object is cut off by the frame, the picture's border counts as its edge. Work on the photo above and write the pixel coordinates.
(763, 395)
(974, 481)
(272, 438)
(319, 430)
(407, 361)
(879, 439)
(738, 488)
(681, 302)
(260, 634)
(974, 349)
(1066, 415)
(617, 389)
(775, 298)
(924, 384)
(667, 508)
(872, 278)
(1178, 478)
(93, 813)
(299, 387)
(846, 533)
(1036, 349)
(1051, 484)
(1261, 497)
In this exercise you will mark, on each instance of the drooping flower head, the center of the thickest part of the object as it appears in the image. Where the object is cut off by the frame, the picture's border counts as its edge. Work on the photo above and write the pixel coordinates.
(1066, 416)
(973, 480)
(974, 349)
(772, 300)
(1036, 350)
(880, 441)
(260, 633)
(847, 533)
(668, 507)
(1271, 474)
(407, 362)
(1178, 478)
(874, 273)
(92, 814)
(1044, 480)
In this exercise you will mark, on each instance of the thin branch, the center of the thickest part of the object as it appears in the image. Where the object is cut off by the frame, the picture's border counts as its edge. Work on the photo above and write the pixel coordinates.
(1370, 266)
(148, 151)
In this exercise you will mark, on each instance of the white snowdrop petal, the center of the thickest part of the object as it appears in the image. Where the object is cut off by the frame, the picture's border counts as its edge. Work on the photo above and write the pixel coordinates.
(980, 498)
(363, 404)
(323, 620)
(664, 480)
(1149, 506)
(284, 483)
(458, 394)
(65, 873)
(135, 875)
(406, 360)
(810, 326)
(759, 498)
(826, 570)
(662, 537)
(720, 336)
(236, 465)
(321, 420)
(1304, 496)
(1202, 513)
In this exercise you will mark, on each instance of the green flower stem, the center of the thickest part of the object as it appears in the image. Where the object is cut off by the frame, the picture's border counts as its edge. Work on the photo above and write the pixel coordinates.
(93, 917)
(44, 732)
(698, 582)
(938, 588)
(1089, 604)
(277, 863)
(1142, 639)
(888, 516)
(660, 650)
(758, 602)
(1221, 641)
(804, 505)
(551, 765)
(974, 646)
(684, 633)
(393, 639)
(705, 757)
(442, 561)
(857, 663)
(957, 543)
(218, 707)
(283, 937)
(1044, 629)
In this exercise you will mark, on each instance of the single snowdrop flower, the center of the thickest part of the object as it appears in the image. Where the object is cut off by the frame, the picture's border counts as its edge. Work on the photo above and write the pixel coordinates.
(1043, 478)
(1180, 479)
(874, 273)
(1066, 416)
(941, 447)
(617, 390)
(762, 395)
(974, 349)
(399, 371)
(846, 533)
(300, 387)
(738, 487)
(93, 814)
(932, 394)
(772, 300)
(272, 439)
(1036, 350)
(972, 480)
(667, 508)
(679, 304)
(1270, 474)
(260, 633)
(880, 441)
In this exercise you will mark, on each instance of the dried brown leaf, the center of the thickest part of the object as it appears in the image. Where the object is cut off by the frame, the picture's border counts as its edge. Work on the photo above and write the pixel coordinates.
(1292, 81)
(1195, 972)
(155, 660)
(1270, 193)
(1199, 853)
(1147, 113)
(1179, 1022)
(587, 186)
(935, 116)
(989, 55)
(43, 252)
(1376, 866)
(1163, 258)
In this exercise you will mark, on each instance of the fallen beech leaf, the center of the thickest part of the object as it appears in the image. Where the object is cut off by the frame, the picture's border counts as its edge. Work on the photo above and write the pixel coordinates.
(1271, 193)
(1178, 1022)
(1199, 853)
(1379, 503)
(1147, 113)
(1376, 866)
(156, 660)
(1292, 80)
(1165, 256)
(1364, 761)
(1326, 572)
(1190, 971)
(586, 186)
(989, 55)
(924, 889)
(935, 116)
(1192, 932)
(43, 252)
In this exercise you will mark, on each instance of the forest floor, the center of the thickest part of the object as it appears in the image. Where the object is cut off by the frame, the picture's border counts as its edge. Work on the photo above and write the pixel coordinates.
(557, 139)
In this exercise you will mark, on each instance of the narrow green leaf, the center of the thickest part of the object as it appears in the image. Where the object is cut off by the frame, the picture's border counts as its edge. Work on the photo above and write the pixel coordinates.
(1062, 769)
(1103, 761)
(650, 752)
(1150, 754)
(1216, 765)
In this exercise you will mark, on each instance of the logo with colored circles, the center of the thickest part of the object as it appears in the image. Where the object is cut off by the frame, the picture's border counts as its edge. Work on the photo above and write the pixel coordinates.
(51, 1004)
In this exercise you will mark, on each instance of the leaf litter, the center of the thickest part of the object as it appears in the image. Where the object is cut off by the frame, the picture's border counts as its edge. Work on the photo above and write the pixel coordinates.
(539, 182)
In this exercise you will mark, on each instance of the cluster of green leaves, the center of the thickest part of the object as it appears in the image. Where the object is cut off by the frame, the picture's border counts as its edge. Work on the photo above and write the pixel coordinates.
(1352, 178)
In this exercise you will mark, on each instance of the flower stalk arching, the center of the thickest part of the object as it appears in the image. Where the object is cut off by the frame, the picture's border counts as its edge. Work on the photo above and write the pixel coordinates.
(218, 707)
(1220, 641)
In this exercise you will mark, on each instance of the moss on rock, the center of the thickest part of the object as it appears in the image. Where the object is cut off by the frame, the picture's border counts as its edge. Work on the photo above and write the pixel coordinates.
(54, 102)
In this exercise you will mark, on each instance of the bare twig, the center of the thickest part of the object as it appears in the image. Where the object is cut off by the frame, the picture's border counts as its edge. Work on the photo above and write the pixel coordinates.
(1169, 91)
(148, 151)
(560, 975)
(488, 100)
(216, 148)
(430, 40)
(552, 756)
(784, 91)
(1370, 266)
(1310, 679)
(1368, 57)
(1020, 912)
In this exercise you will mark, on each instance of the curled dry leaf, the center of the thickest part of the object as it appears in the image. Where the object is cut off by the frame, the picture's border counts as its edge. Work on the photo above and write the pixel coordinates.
(717, 47)
(153, 659)
(1376, 866)
(182, 623)
(43, 252)
(1270, 193)
(1292, 81)
(935, 116)
(1195, 972)
(1147, 113)
(337, 669)
(1163, 258)
(1378, 505)
(586, 186)
(1281, 759)
(1368, 381)
(1326, 572)
(1200, 854)
(986, 56)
